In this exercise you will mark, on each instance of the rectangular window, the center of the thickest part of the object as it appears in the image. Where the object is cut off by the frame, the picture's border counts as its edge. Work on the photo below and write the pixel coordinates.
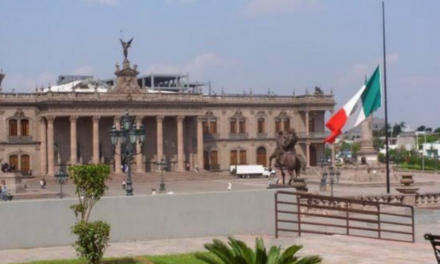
(13, 130)
(242, 127)
(233, 126)
(286, 124)
(260, 125)
(242, 157)
(213, 127)
(277, 126)
(25, 127)
(205, 127)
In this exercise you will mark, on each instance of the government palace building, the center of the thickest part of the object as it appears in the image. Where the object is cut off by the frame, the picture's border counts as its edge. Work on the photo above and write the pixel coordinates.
(69, 123)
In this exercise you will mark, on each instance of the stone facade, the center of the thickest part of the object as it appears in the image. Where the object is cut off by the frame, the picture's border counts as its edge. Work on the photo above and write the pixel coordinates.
(42, 131)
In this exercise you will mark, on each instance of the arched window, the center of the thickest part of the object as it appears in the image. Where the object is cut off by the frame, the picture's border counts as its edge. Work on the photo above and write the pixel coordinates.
(261, 156)
(25, 164)
(24, 127)
(233, 160)
(243, 157)
(13, 127)
(13, 162)
(260, 126)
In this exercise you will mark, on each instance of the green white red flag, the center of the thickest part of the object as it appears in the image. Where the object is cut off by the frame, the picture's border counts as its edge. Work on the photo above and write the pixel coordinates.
(368, 98)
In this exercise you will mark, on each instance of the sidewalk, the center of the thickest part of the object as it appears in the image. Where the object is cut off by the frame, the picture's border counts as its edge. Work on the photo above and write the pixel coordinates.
(333, 249)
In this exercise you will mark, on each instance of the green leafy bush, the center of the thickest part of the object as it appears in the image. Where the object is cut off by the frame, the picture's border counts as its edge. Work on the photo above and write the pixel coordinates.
(92, 240)
(239, 253)
(90, 186)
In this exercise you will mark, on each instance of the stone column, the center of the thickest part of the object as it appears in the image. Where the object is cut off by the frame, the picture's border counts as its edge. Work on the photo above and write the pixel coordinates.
(139, 156)
(200, 142)
(308, 153)
(117, 157)
(180, 156)
(43, 146)
(307, 123)
(73, 140)
(159, 120)
(50, 145)
(96, 139)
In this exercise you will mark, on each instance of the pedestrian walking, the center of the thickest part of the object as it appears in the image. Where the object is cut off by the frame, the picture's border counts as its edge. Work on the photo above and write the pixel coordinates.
(196, 168)
(229, 186)
(42, 184)
(124, 184)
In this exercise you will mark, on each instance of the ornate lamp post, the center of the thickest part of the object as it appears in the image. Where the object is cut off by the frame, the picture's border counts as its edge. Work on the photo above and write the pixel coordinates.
(127, 136)
(163, 165)
(61, 178)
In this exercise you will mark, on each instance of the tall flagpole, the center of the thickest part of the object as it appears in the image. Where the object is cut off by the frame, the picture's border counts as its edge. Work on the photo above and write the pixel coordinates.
(385, 101)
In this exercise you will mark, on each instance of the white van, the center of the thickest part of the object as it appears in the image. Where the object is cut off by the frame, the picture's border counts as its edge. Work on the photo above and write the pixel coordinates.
(248, 171)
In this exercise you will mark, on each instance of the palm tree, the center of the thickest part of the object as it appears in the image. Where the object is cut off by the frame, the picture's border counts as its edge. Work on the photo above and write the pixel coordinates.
(239, 253)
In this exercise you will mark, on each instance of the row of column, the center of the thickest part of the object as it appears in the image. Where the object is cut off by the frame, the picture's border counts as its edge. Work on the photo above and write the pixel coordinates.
(47, 142)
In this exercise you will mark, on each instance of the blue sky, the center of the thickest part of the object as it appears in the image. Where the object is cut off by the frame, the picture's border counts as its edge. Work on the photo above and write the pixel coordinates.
(236, 44)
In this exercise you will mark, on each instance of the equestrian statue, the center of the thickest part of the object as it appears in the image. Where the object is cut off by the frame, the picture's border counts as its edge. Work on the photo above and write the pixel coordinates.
(285, 155)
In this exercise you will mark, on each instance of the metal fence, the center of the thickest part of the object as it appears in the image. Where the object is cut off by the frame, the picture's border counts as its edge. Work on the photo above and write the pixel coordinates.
(319, 214)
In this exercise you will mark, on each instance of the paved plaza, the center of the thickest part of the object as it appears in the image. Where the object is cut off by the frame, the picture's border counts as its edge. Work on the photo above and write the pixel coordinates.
(334, 249)
(192, 182)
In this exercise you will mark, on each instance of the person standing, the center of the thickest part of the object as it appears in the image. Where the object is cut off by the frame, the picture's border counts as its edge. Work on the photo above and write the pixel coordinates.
(42, 184)
(4, 192)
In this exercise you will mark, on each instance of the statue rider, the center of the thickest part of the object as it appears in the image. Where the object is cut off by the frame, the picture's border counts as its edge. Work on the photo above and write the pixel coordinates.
(286, 142)
(290, 141)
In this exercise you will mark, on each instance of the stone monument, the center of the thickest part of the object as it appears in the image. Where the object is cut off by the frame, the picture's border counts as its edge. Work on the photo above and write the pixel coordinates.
(126, 81)
(367, 154)
(2, 76)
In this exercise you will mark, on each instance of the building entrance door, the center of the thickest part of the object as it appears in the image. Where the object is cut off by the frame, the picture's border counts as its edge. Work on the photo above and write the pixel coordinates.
(13, 162)
(206, 160)
(25, 164)
(261, 156)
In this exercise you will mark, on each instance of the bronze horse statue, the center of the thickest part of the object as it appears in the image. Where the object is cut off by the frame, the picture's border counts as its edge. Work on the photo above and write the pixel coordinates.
(289, 161)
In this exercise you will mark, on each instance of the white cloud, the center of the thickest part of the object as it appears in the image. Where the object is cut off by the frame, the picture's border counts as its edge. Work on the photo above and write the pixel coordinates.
(83, 70)
(103, 2)
(276, 7)
(21, 83)
(199, 67)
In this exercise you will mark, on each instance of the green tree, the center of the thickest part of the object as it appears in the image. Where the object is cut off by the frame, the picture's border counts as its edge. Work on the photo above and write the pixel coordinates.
(421, 128)
(90, 186)
(239, 253)
(437, 130)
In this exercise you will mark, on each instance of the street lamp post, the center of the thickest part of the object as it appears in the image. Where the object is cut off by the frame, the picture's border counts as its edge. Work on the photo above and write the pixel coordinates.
(128, 135)
(332, 178)
(323, 184)
(163, 165)
(61, 178)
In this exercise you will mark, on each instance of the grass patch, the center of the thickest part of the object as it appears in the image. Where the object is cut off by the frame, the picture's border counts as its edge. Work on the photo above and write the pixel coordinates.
(176, 259)
(166, 259)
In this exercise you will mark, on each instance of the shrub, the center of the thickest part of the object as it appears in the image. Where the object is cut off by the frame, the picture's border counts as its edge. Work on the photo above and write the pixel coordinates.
(92, 240)
(90, 186)
(239, 253)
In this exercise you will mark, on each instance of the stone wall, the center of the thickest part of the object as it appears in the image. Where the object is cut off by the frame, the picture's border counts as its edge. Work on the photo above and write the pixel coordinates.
(28, 224)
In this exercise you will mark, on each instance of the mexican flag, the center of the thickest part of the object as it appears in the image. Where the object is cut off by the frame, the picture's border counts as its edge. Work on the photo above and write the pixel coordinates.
(368, 98)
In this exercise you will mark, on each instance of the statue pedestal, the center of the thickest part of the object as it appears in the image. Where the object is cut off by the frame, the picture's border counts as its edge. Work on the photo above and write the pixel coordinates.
(12, 181)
